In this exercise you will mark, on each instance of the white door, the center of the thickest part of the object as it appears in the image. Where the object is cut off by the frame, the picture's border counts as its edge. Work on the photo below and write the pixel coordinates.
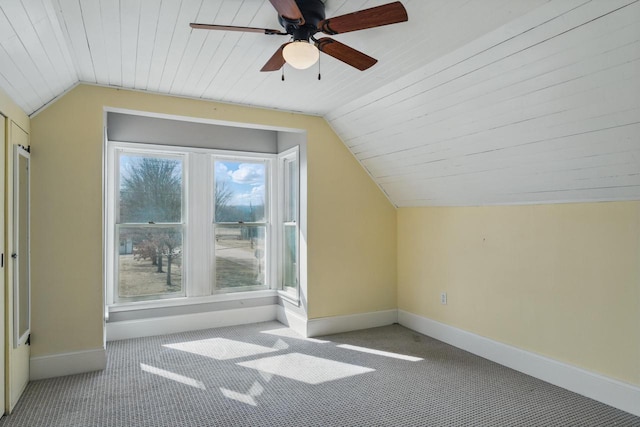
(17, 279)
(3, 384)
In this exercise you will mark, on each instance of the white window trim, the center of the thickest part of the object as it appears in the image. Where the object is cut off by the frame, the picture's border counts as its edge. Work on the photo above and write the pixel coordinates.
(112, 203)
(270, 212)
(202, 291)
(187, 301)
(292, 153)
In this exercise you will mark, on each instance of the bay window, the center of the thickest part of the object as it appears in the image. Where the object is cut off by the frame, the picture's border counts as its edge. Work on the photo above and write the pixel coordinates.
(187, 223)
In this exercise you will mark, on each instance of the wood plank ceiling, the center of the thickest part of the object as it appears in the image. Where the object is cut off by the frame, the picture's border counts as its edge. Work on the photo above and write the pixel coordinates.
(471, 102)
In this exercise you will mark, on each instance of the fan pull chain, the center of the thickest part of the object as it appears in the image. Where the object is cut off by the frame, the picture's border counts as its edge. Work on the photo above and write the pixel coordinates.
(319, 75)
(283, 73)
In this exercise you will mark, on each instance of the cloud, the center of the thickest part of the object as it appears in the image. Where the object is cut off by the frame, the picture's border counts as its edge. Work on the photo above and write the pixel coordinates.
(221, 171)
(253, 197)
(249, 174)
(258, 192)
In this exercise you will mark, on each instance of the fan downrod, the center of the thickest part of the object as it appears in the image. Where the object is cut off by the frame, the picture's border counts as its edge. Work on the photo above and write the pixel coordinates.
(313, 12)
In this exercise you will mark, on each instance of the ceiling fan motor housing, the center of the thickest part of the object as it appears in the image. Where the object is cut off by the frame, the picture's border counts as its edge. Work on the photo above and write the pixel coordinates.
(313, 13)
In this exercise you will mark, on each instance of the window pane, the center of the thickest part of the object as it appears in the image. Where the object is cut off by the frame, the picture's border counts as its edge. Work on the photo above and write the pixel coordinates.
(291, 191)
(239, 191)
(289, 258)
(240, 257)
(149, 262)
(150, 189)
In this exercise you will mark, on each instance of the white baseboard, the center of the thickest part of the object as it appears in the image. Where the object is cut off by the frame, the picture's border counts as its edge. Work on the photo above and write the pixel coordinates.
(352, 322)
(293, 320)
(189, 322)
(595, 386)
(58, 365)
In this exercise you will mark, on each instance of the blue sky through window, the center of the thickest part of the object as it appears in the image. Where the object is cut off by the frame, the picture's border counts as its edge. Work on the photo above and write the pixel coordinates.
(245, 180)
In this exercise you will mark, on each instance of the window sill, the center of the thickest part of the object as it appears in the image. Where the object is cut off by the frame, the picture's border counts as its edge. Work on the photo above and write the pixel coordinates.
(291, 299)
(183, 301)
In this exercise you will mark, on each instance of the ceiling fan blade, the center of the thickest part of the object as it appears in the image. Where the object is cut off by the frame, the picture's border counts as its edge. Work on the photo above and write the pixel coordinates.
(346, 54)
(276, 61)
(386, 14)
(289, 10)
(234, 28)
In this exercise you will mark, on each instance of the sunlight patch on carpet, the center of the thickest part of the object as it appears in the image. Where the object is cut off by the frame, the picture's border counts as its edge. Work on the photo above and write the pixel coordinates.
(380, 352)
(305, 368)
(248, 398)
(290, 333)
(173, 376)
(221, 348)
(240, 397)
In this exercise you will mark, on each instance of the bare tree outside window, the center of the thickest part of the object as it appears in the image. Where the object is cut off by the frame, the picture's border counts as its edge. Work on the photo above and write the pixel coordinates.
(150, 226)
(150, 190)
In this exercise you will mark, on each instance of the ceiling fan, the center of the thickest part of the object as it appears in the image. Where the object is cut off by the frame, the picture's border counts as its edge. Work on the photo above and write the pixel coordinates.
(302, 19)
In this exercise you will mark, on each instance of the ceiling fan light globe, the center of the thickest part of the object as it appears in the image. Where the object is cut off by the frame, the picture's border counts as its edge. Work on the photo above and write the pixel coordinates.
(300, 54)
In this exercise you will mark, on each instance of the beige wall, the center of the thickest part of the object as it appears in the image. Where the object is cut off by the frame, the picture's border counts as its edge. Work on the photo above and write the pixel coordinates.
(562, 281)
(351, 225)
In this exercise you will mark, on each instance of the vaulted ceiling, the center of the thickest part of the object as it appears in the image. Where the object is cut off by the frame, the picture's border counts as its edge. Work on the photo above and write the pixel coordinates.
(472, 102)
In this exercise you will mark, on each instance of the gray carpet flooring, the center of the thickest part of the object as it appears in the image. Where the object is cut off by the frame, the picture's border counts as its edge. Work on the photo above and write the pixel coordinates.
(265, 375)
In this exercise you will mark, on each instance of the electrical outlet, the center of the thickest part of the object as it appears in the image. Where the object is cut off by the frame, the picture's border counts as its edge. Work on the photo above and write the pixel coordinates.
(443, 298)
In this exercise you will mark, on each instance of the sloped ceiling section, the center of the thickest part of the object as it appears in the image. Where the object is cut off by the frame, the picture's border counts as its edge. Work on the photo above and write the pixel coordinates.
(35, 63)
(543, 109)
(471, 102)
